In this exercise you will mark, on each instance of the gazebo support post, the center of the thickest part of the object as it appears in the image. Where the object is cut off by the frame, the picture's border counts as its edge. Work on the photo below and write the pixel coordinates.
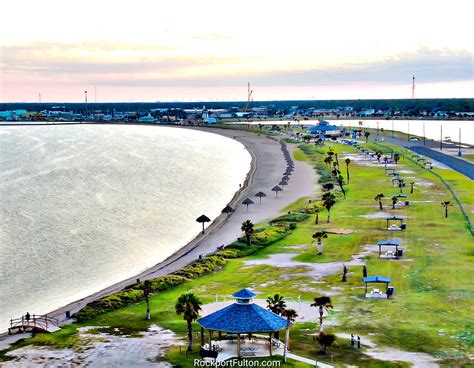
(238, 346)
(366, 288)
(210, 340)
(380, 250)
(202, 337)
(270, 345)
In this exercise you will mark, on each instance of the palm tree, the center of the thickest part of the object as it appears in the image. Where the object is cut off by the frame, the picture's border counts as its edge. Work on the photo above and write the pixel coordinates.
(325, 341)
(378, 198)
(328, 160)
(446, 204)
(189, 306)
(277, 305)
(146, 293)
(322, 303)
(401, 184)
(340, 182)
(347, 161)
(290, 315)
(328, 187)
(329, 200)
(317, 208)
(396, 158)
(394, 201)
(248, 229)
(411, 187)
(367, 134)
(320, 235)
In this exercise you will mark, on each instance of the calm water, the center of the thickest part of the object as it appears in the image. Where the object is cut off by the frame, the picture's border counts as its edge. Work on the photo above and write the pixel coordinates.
(83, 207)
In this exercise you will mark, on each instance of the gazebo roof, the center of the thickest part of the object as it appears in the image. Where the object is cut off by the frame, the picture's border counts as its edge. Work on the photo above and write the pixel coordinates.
(244, 294)
(394, 218)
(382, 279)
(243, 318)
(388, 242)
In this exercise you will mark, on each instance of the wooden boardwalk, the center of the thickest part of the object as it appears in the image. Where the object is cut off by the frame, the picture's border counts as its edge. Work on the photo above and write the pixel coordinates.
(33, 323)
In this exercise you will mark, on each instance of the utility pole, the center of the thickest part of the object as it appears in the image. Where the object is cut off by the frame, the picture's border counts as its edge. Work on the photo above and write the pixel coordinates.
(459, 146)
(413, 89)
(441, 139)
(39, 97)
(424, 136)
(87, 111)
(408, 130)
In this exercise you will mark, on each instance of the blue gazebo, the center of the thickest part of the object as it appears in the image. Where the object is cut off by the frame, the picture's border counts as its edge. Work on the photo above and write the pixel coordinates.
(241, 318)
(378, 293)
(390, 243)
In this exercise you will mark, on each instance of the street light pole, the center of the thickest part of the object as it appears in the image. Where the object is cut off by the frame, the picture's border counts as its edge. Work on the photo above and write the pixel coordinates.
(424, 136)
(408, 130)
(459, 146)
(87, 112)
(441, 139)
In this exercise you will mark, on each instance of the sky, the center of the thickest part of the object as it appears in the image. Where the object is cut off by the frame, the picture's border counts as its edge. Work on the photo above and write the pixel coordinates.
(208, 50)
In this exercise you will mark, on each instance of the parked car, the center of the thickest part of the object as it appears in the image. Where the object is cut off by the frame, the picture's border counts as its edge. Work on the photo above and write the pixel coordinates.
(414, 139)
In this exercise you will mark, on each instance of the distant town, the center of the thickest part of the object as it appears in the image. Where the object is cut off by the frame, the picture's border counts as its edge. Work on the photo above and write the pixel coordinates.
(211, 113)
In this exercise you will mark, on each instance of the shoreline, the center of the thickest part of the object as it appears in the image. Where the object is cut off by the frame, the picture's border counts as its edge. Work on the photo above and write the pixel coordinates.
(206, 243)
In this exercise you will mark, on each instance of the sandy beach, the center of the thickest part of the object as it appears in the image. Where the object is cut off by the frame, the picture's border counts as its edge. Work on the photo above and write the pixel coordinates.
(268, 166)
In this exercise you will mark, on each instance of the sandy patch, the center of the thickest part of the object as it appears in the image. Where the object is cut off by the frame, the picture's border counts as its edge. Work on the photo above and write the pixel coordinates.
(339, 231)
(376, 215)
(316, 270)
(420, 360)
(101, 350)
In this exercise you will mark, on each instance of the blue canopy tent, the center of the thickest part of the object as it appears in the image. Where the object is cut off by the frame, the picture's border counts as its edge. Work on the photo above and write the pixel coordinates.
(242, 317)
(390, 243)
(378, 280)
(403, 225)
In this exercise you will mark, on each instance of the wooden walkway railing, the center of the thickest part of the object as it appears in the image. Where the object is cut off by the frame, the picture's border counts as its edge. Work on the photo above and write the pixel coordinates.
(43, 323)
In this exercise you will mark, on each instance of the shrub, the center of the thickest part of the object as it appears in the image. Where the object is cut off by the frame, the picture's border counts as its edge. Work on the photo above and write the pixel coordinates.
(294, 217)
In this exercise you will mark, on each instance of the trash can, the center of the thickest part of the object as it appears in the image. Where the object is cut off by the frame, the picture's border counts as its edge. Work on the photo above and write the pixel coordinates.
(390, 291)
(407, 203)
(404, 226)
(400, 253)
(68, 314)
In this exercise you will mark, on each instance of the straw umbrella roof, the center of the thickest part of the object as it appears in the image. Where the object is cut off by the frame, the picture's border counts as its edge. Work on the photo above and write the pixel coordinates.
(203, 218)
(247, 201)
(260, 194)
(227, 209)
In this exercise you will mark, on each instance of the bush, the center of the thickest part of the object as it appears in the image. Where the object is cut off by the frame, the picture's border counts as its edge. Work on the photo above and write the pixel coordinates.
(132, 294)
(201, 267)
(294, 217)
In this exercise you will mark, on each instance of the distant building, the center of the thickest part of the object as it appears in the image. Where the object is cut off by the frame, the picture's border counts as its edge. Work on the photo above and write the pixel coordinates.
(146, 119)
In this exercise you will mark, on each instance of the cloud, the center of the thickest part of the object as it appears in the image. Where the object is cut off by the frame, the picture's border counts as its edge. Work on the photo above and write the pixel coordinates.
(152, 66)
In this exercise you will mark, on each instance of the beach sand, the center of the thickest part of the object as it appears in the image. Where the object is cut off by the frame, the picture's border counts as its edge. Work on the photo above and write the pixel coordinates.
(268, 166)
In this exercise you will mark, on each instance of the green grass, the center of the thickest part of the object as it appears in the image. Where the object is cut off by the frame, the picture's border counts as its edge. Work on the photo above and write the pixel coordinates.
(432, 307)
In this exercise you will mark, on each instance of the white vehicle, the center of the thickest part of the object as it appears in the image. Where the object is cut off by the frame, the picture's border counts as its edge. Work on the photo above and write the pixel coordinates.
(414, 139)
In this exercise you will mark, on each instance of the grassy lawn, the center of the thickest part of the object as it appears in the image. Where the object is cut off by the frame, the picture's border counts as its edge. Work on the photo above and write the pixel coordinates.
(430, 312)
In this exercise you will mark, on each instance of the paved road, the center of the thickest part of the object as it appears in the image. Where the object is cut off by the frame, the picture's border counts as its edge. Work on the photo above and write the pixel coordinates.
(454, 163)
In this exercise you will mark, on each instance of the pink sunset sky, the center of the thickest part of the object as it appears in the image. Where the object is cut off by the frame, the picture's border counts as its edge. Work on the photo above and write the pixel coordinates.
(208, 50)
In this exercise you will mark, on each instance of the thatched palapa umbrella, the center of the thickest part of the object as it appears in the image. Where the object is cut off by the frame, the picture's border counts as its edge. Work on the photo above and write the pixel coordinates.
(202, 219)
(247, 201)
(285, 178)
(260, 195)
(276, 189)
(283, 183)
(228, 210)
